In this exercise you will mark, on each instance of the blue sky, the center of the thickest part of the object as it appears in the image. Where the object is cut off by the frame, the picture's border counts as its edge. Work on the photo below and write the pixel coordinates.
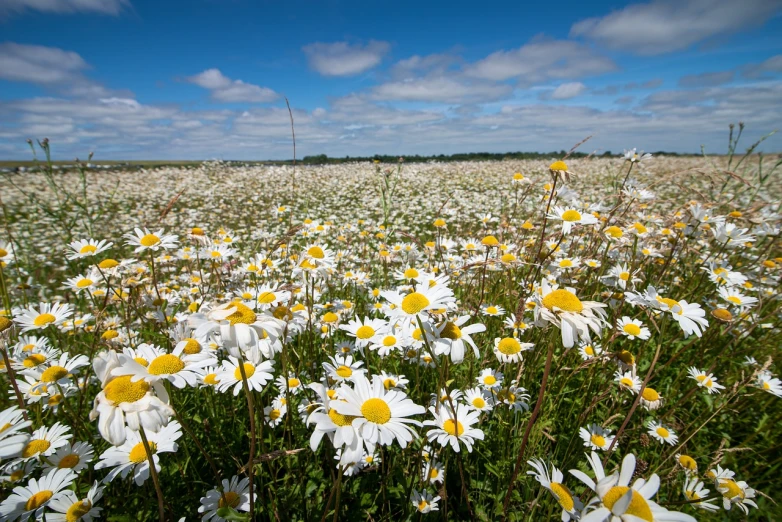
(135, 79)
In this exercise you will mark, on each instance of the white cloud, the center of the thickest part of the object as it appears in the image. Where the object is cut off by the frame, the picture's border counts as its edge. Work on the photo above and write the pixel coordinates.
(759, 70)
(708, 79)
(442, 89)
(541, 60)
(663, 26)
(39, 64)
(224, 89)
(108, 7)
(343, 59)
(568, 90)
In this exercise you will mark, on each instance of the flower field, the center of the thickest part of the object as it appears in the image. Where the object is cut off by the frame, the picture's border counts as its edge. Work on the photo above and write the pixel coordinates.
(578, 338)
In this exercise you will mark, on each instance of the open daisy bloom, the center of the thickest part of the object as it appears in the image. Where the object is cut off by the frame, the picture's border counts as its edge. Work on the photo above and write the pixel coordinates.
(454, 427)
(618, 500)
(32, 499)
(43, 316)
(571, 504)
(562, 308)
(571, 217)
(379, 416)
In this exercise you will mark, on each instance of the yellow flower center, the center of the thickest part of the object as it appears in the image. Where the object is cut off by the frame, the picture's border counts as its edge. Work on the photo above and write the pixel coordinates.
(266, 298)
(275, 414)
(571, 215)
(563, 495)
(78, 510)
(732, 490)
(35, 446)
(639, 228)
(490, 241)
(411, 273)
(330, 317)
(632, 329)
(242, 314)
(688, 463)
(339, 419)
(110, 334)
(54, 373)
(422, 505)
(389, 340)
(88, 249)
(509, 346)
(626, 381)
(414, 303)
(121, 389)
(479, 403)
(38, 500)
(228, 499)
(316, 252)
(722, 314)
(733, 299)
(624, 276)
(492, 310)
(451, 331)
(166, 364)
(211, 379)
(365, 332)
(452, 427)
(344, 371)
(638, 506)
(249, 371)
(149, 240)
(83, 283)
(614, 232)
(558, 166)
(108, 263)
(69, 461)
(139, 454)
(31, 361)
(598, 440)
(191, 346)
(589, 350)
(376, 410)
(490, 380)
(650, 394)
(564, 300)
(43, 320)
(565, 263)
(662, 432)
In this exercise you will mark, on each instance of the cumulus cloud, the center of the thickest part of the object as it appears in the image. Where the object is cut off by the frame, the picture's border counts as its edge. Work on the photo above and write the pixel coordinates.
(709, 79)
(663, 26)
(107, 7)
(568, 90)
(344, 59)
(542, 60)
(224, 89)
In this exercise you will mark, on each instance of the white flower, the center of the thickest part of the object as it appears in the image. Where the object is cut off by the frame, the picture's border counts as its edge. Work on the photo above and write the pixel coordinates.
(454, 427)
(176, 367)
(423, 501)
(661, 432)
(574, 317)
(87, 248)
(44, 441)
(380, 416)
(69, 508)
(364, 331)
(633, 328)
(256, 372)
(571, 505)
(12, 439)
(570, 216)
(31, 500)
(618, 501)
(235, 494)
(44, 315)
(145, 240)
(131, 455)
(596, 437)
(451, 336)
(705, 380)
(766, 381)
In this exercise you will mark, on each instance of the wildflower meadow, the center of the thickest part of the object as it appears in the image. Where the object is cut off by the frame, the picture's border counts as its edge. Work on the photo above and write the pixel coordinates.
(575, 338)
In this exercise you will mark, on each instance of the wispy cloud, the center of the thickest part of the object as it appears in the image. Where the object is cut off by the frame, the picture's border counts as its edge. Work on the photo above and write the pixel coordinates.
(442, 88)
(708, 79)
(106, 7)
(344, 59)
(224, 89)
(663, 26)
(568, 90)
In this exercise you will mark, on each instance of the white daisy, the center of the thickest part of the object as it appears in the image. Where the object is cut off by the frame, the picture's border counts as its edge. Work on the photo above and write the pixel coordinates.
(144, 240)
(661, 433)
(42, 316)
(452, 335)
(32, 499)
(69, 508)
(561, 307)
(380, 416)
(87, 248)
(256, 372)
(234, 494)
(454, 427)
(571, 504)
(596, 437)
(633, 328)
(45, 441)
(131, 455)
